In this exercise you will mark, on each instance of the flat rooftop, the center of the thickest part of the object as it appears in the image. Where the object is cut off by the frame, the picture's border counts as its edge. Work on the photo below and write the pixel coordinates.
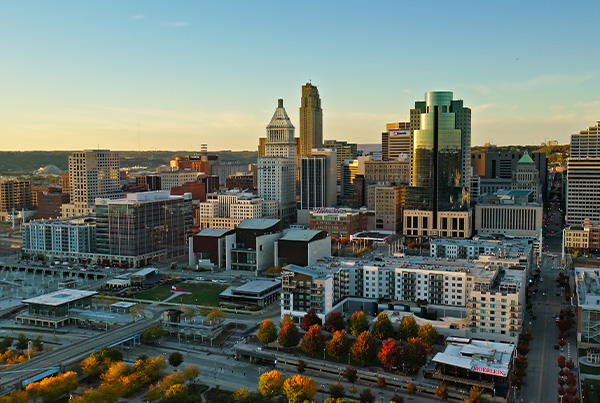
(478, 356)
(587, 281)
(60, 297)
(258, 223)
(300, 235)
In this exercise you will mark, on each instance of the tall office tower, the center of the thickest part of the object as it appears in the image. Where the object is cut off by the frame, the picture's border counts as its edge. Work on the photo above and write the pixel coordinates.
(440, 168)
(92, 174)
(311, 120)
(318, 182)
(527, 177)
(345, 151)
(277, 169)
(583, 177)
(395, 142)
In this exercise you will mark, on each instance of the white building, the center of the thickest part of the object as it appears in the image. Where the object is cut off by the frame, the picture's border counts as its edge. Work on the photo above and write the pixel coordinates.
(60, 238)
(277, 169)
(587, 283)
(227, 209)
(173, 179)
(92, 174)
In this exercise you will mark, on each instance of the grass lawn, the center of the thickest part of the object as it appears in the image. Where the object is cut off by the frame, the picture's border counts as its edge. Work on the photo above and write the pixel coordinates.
(201, 293)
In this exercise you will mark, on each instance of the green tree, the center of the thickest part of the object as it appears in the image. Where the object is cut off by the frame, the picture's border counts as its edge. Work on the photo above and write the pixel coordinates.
(267, 332)
(152, 334)
(334, 322)
(288, 335)
(22, 342)
(175, 359)
(358, 323)
(339, 345)
(408, 328)
(428, 334)
(313, 340)
(311, 318)
(383, 328)
(111, 354)
(441, 392)
(363, 349)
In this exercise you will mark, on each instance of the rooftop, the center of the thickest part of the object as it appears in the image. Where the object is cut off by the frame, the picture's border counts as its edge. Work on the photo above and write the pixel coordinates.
(300, 235)
(587, 281)
(60, 297)
(258, 223)
(214, 232)
(478, 356)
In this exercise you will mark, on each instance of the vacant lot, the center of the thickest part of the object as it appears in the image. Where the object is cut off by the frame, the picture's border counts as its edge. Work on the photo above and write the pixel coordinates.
(201, 293)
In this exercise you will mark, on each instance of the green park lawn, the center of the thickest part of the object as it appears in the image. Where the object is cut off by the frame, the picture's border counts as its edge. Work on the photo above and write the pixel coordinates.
(201, 293)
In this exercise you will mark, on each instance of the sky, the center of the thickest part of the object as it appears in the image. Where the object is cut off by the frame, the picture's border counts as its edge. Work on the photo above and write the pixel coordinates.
(171, 75)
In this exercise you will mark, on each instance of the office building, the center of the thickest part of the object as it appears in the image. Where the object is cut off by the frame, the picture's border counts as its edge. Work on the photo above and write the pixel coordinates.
(173, 179)
(396, 142)
(438, 197)
(511, 213)
(241, 181)
(92, 174)
(318, 179)
(302, 247)
(277, 169)
(526, 177)
(15, 196)
(584, 237)
(49, 204)
(311, 120)
(389, 203)
(344, 151)
(397, 172)
(226, 209)
(587, 284)
(583, 177)
(339, 223)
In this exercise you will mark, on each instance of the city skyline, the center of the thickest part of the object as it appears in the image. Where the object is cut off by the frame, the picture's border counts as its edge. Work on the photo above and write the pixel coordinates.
(144, 76)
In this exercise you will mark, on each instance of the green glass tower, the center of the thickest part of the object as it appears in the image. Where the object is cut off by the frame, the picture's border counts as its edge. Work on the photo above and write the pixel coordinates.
(441, 147)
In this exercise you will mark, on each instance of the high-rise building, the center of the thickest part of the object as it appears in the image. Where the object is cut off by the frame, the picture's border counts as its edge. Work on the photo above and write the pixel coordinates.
(311, 120)
(440, 168)
(92, 174)
(527, 177)
(345, 151)
(277, 169)
(583, 177)
(318, 179)
(396, 142)
(15, 194)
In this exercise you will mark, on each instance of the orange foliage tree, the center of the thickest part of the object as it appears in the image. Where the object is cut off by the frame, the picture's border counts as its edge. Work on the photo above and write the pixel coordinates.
(313, 340)
(299, 388)
(390, 353)
(363, 348)
(339, 345)
(270, 384)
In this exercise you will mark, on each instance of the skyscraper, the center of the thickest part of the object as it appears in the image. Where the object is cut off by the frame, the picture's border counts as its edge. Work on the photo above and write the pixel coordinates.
(583, 177)
(395, 142)
(311, 120)
(277, 169)
(440, 167)
(92, 174)
(318, 179)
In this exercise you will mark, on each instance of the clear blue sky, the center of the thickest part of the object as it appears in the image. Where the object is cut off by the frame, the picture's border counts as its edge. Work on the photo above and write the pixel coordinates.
(83, 74)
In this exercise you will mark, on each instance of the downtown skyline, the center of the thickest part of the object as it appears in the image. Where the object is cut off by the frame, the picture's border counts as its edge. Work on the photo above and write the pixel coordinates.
(148, 76)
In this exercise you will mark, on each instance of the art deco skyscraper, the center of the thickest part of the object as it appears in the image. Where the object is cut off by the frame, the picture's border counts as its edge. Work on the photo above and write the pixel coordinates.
(311, 120)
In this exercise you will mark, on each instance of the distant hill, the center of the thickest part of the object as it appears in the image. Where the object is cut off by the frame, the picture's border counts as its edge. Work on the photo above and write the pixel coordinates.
(25, 162)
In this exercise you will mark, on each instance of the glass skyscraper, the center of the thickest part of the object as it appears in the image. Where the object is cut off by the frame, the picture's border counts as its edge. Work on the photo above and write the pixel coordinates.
(440, 160)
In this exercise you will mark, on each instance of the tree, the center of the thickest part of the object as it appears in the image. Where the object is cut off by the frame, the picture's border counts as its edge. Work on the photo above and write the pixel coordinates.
(114, 373)
(270, 384)
(358, 323)
(408, 328)
(298, 388)
(267, 332)
(381, 383)
(216, 315)
(176, 393)
(411, 388)
(53, 387)
(313, 340)
(336, 390)
(414, 354)
(390, 353)
(175, 359)
(475, 395)
(241, 395)
(383, 328)
(188, 311)
(152, 334)
(301, 366)
(363, 348)
(350, 374)
(288, 335)
(523, 349)
(397, 399)
(366, 396)
(93, 365)
(561, 361)
(109, 355)
(311, 318)
(334, 322)
(428, 334)
(339, 345)
(441, 392)
(22, 342)
(570, 364)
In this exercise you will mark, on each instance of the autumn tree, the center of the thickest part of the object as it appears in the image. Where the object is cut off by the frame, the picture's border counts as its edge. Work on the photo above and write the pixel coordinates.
(267, 332)
(114, 373)
(17, 396)
(383, 328)
(334, 322)
(176, 393)
(397, 399)
(363, 348)
(93, 365)
(408, 328)
(175, 359)
(414, 354)
(270, 384)
(53, 387)
(561, 361)
(411, 388)
(299, 388)
(288, 335)
(216, 315)
(366, 396)
(350, 374)
(336, 390)
(339, 345)
(241, 395)
(475, 395)
(428, 334)
(311, 318)
(313, 340)
(390, 353)
(441, 392)
(358, 323)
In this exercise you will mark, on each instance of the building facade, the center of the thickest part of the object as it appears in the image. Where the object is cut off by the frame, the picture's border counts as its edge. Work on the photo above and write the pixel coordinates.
(311, 120)
(396, 142)
(317, 179)
(339, 223)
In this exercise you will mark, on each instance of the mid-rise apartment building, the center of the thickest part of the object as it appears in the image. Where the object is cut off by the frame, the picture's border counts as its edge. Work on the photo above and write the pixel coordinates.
(15, 195)
(339, 223)
(228, 208)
